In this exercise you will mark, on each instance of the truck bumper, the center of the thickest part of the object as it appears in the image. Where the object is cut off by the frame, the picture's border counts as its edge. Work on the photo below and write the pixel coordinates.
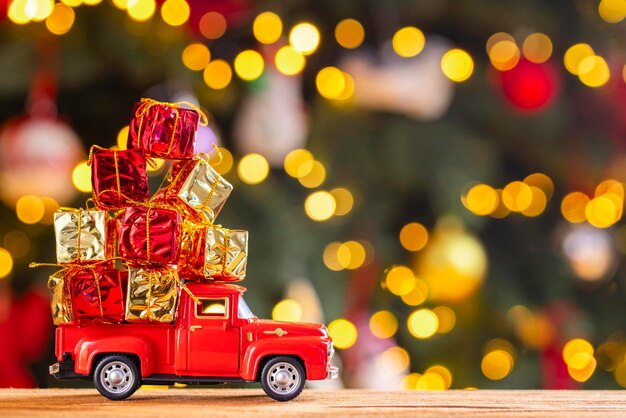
(333, 372)
(64, 369)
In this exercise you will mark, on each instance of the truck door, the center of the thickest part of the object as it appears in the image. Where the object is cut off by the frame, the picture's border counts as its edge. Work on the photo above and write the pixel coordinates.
(213, 345)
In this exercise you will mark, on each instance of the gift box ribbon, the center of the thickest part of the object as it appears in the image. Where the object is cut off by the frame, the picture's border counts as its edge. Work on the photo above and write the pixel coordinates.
(80, 224)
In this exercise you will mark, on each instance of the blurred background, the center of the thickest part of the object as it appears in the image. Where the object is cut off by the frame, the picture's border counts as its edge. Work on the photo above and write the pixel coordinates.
(438, 181)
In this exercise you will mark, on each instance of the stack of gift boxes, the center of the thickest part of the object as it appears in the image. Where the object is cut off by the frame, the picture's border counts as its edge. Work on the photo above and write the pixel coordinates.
(161, 241)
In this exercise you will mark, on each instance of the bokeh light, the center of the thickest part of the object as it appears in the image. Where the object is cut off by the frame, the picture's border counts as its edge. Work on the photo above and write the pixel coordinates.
(537, 204)
(573, 207)
(50, 207)
(537, 48)
(575, 55)
(578, 354)
(517, 196)
(267, 27)
(287, 310)
(457, 65)
(331, 256)
(408, 41)
(344, 201)
(122, 138)
(330, 82)
(311, 174)
(400, 280)
(423, 323)
(417, 295)
(217, 74)
(541, 181)
(497, 364)
(175, 12)
(481, 199)
(212, 25)
(81, 177)
(305, 38)
(294, 161)
(249, 65)
(289, 61)
(60, 20)
(349, 33)
(30, 209)
(253, 169)
(196, 56)
(593, 71)
(601, 212)
(394, 360)
(383, 324)
(6, 263)
(612, 11)
(226, 162)
(320, 206)
(141, 10)
(413, 236)
(343, 333)
(446, 318)
(504, 54)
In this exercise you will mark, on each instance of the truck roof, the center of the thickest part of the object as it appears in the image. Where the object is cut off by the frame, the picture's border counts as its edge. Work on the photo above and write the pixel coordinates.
(214, 288)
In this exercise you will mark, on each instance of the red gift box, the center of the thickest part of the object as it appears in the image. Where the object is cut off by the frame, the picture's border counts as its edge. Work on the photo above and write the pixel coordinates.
(149, 234)
(118, 178)
(164, 130)
(97, 294)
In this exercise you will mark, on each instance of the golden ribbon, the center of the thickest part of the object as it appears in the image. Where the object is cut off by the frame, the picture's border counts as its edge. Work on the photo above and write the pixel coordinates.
(80, 223)
(147, 103)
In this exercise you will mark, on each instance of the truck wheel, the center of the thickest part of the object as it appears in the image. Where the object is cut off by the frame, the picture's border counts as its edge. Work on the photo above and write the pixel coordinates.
(116, 377)
(283, 378)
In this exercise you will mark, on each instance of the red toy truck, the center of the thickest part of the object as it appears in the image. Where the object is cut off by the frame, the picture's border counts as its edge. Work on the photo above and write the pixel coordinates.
(216, 341)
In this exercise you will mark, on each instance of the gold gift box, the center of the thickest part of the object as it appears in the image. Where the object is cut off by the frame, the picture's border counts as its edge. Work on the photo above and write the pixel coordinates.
(81, 235)
(59, 299)
(152, 294)
(192, 250)
(226, 253)
(200, 188)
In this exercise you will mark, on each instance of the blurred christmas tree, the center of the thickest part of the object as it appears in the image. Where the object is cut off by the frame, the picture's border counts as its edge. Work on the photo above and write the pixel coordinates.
(381, 155)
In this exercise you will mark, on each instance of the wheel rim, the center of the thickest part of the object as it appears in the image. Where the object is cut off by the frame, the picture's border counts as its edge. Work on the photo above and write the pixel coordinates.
(283, 378)
(117, 377)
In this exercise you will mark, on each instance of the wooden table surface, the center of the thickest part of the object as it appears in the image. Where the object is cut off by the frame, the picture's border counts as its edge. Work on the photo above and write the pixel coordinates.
(190, 403)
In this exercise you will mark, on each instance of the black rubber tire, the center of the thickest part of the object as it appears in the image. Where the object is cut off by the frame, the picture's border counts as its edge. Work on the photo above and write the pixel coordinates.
(291, 366)
(129, 371)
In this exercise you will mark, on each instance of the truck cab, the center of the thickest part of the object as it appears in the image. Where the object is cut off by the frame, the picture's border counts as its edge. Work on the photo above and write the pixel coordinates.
(214, 339)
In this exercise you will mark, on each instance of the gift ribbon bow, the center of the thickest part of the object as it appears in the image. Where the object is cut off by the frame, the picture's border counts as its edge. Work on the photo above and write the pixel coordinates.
(147, 103)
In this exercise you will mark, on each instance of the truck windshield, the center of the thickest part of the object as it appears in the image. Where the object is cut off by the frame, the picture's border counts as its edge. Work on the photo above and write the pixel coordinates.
(244, 311)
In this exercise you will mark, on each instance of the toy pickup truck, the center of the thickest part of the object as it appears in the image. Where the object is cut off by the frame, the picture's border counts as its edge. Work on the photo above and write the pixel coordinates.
(218, 340)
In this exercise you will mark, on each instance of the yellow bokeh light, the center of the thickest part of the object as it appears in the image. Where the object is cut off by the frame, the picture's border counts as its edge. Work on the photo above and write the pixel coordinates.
(343, 333)
(267, 27)
(294, 160)
(331, 259)
(6, 263)
(430, 381)
(423, 323)
(348, 88)
(537, 48)
(60, 20)
(287, 310)
(383, 324)
(537, 204)
(120, 4)
(517, 196)
(320, 206)
(620, 374)
(212, 25)
(576, 346)
(217, 74)
(497, 364)
(481, 199)
(344, 201)
(50, 206)
(446, 317)
(413, 236)
(81, 177)
(593, 71)
(573, 207)
(410, 381)
(253, 169)
(249, 65)
(30, 209)
(504, 55)
(349, 33)
(417, 295)
(610, 186)
(501, 210)
(601, 212)
(17, 12)
(330, 82)
(343, 255)
(122, 138)
(400, 280)
(91, 2)
(226, 162)
(175, 12)
(357, 254)
(457, 65)
(497, 37)
(443, 372)
(305, 38)
(541, 181)
(612, 11)
(393, 360)
(39, 10)
(311, 174)
(575, 55)
(289, 61)
(408, 41)
(141, 10)
(584, 373)
(196, 56)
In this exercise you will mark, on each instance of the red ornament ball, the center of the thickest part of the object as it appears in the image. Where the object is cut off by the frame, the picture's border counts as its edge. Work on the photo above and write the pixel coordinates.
(529, 86)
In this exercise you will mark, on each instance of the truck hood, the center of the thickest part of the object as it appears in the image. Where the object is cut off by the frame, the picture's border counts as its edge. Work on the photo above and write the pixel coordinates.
(268, 328)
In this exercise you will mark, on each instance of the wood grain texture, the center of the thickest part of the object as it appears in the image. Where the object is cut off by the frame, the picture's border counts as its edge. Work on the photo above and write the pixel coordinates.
(190, 403)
